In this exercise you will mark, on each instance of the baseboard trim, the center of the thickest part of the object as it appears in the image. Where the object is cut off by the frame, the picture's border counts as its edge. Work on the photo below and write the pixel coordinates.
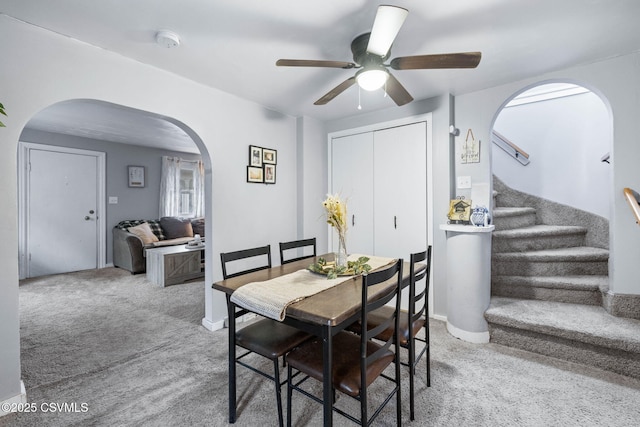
(20, 398)
(472, 337)
(212, 326)
(439, 317)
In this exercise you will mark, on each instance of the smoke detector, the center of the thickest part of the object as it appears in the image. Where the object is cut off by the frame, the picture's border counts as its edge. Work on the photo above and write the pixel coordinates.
(167, 39)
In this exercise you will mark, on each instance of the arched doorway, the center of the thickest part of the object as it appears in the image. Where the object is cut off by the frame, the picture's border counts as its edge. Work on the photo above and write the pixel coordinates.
(128, 137)
(562, 132)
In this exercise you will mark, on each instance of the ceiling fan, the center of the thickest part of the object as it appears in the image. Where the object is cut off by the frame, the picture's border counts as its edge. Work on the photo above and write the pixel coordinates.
(370, 50)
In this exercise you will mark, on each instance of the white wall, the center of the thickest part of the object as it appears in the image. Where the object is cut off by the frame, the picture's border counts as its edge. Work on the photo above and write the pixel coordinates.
(565, 139)
(617, 81)
(39, 68)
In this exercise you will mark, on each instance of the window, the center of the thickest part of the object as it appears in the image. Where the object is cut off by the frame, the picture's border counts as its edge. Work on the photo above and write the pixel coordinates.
(182, 188)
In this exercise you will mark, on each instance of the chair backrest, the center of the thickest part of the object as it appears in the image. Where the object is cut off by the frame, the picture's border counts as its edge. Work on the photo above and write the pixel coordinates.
(297, 244)
(261, 260)
(371, 279)
(418, 302)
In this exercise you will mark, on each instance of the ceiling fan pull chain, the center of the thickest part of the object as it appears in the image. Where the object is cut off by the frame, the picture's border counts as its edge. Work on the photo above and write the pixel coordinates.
(359, 106)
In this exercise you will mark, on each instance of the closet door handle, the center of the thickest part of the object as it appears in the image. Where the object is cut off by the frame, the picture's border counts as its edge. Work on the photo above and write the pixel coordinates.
(353, 220)
(395, 222)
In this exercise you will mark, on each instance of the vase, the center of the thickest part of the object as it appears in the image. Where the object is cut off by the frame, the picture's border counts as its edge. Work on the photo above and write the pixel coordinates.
(341, 255)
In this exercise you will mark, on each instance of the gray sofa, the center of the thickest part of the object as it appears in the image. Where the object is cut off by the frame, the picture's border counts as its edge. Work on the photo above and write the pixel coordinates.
(129, 248)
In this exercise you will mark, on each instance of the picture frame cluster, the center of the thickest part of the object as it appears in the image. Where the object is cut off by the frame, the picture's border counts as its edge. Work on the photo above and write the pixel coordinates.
(262, 165)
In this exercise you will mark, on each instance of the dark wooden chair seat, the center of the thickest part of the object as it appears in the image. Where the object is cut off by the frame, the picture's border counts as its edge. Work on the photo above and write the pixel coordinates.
(346, 374)
(270, 338)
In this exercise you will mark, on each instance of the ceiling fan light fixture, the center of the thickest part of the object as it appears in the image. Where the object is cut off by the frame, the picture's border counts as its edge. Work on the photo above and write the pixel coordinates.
(372, 79)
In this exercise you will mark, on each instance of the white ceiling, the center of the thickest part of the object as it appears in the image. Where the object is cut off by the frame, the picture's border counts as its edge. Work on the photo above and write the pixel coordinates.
(233, 46)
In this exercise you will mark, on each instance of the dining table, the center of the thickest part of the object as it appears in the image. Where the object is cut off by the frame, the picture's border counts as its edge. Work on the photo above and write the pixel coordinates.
(323, 314)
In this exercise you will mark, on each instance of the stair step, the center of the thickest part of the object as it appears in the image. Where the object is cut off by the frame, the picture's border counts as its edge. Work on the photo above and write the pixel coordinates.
(507, 218)
(575, 332)
(569, 289)
(537, 237)
(581, 260)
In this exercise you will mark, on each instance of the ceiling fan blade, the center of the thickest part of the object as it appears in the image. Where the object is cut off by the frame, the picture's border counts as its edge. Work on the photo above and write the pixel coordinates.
(444, 60)
(386, 25)
(314, 63)
(397, 92)
(336, 91)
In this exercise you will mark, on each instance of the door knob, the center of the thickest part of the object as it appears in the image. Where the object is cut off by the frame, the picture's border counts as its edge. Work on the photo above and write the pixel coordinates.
(87, 218)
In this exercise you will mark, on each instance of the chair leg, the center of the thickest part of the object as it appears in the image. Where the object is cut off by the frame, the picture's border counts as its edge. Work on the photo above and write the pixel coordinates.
(428, 355)
(289, 394)
(276, 376)
(412, 373)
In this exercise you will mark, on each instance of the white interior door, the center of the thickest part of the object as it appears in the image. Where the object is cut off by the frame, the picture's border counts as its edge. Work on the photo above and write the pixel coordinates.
(352, 178)
(400, 200)
(62, 210)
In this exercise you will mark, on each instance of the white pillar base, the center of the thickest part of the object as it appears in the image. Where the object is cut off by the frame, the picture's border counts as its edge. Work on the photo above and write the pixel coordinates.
(472, 337)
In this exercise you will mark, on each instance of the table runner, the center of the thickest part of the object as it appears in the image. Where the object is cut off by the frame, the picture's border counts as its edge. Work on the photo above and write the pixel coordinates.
(271, 298)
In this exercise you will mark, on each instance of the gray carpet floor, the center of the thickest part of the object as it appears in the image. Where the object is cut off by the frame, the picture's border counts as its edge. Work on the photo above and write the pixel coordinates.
(136, 355)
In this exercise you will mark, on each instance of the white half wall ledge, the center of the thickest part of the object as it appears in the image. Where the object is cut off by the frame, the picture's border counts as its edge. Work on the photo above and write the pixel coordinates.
(472, 337)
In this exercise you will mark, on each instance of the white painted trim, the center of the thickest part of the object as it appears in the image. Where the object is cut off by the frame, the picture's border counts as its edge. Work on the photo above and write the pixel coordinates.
(212, 326)
(472, 337)
(20, 398)
(23, 184)
(439, 317)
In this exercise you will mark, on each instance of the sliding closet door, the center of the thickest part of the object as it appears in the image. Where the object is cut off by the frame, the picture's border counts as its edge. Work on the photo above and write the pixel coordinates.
(400, 182)
(352, 177)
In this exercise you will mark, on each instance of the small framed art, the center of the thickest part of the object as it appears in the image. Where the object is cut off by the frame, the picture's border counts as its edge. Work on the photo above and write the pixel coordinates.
(255, 156)
(136, 176)
(269, 156)
(269, 174)
(255, 174)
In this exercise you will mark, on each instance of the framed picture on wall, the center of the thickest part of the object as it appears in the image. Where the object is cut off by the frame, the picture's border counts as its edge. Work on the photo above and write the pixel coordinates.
(255, 174)
(270, 174)
(269, 156)
(136, 176)
(255, 156)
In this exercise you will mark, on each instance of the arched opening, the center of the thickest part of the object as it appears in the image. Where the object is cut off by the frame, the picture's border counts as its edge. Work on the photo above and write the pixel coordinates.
(552, 141)
(127, 139)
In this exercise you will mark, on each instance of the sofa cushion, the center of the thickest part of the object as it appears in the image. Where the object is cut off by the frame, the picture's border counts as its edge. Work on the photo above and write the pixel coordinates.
(198, 226)
(176, 227)
(154, 224)
(143, 231)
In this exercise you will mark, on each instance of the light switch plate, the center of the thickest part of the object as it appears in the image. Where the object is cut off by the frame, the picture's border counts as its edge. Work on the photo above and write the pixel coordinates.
(464, 182)
(113, 200)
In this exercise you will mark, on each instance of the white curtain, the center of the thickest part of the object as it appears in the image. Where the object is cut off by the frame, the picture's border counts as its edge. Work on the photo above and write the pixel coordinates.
(170, 186)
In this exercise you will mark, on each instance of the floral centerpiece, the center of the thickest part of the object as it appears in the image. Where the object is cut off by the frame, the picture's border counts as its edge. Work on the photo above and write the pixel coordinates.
(336, 210)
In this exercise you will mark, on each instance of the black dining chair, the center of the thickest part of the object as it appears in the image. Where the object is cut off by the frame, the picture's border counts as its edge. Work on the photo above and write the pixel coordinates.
(358, 360)
(417, 315)
(302, 245)
(266, 337)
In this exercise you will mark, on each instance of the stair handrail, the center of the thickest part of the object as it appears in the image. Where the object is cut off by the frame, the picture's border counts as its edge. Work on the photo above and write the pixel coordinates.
(512, 149)
(634, 201)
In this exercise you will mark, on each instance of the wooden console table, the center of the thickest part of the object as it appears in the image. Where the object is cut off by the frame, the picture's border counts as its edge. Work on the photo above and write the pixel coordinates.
(170, 265)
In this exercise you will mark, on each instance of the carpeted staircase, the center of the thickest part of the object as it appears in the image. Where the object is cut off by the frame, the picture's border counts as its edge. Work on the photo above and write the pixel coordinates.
(548, 276)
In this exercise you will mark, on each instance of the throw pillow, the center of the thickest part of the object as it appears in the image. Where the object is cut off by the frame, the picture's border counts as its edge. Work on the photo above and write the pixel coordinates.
(176, 227)
(198, 226)
(144, 232)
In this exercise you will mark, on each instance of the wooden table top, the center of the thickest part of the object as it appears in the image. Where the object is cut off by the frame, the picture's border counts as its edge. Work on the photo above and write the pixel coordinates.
(329, 307)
